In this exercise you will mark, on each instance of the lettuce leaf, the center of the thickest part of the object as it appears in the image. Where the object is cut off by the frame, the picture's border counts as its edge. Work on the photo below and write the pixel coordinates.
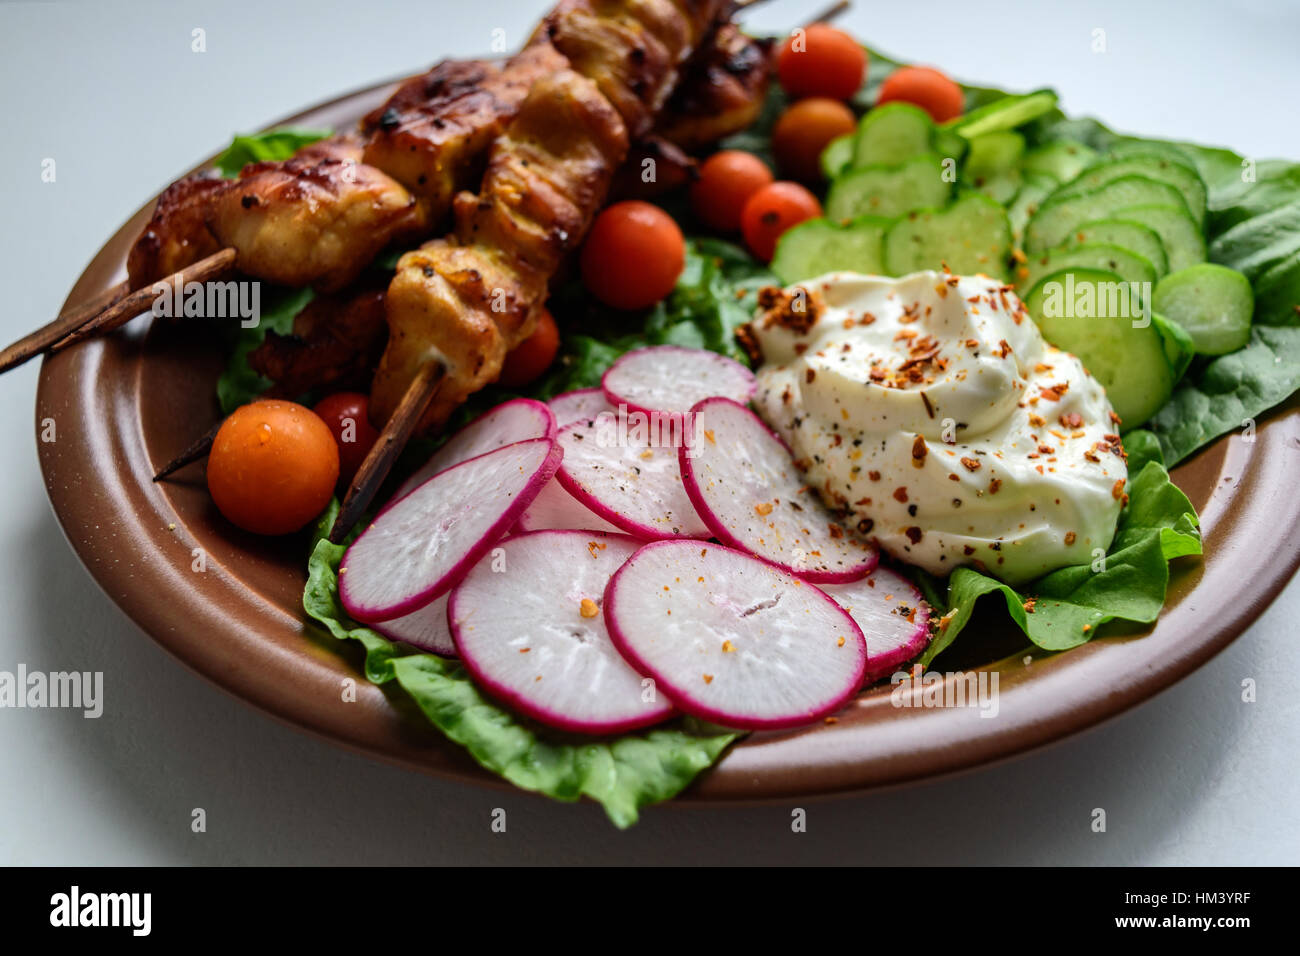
(622, 774)
(1069, 605)
(270, 145)
(239, 384)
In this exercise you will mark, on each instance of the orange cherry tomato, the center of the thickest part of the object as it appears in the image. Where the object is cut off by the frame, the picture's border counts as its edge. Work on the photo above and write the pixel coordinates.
(726, 180)
(633, 255)
(533, 356)
(927, 88)
(819, 60)
(802, 133)
(347, 415)
(273, 467)
(771, 211)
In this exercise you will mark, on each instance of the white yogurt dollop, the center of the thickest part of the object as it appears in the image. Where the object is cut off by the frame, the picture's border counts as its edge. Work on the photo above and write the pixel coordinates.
(933, 409)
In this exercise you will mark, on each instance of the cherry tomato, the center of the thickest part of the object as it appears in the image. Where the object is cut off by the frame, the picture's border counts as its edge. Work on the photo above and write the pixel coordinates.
(821, 61)
(533, 356)
(633, 255)
(802, 133)
(927, 88)
(726, 180)
(771, 211)
(347, 414)
(273, 467)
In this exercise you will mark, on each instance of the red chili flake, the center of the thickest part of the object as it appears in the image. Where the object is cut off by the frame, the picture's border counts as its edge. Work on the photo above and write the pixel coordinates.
(873, 475)
(919, 451)
(913, 534)
(995, 485)
(1117, 490)
(1072, 420)
(1070, 537)
(900, 495)
(972, 464)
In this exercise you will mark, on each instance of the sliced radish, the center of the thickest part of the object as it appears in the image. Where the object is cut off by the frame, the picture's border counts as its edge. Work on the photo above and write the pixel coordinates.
(556, 509)
(745, 486)
(669, 379)
(426, 628)
(420, 546)
(516, 420)
(892, 614)
(632, 484)
(543, 647)
(580, 406)
(733, 639)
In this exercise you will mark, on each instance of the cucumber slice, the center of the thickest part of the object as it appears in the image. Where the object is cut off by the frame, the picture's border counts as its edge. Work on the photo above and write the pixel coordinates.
(1034, 188)
(1004, 114)
(889, 191)
(892, 134)
(992, 166)
(1161, 168)
(837, 156)
(1213, 303)
(1125, 233)
(1092, 313)
(1182, 238)
(819, 246)
(1128, 265)
(972, 235)
(1060, 214)
(1261, 242)
(1062, 160)
(1277, 294)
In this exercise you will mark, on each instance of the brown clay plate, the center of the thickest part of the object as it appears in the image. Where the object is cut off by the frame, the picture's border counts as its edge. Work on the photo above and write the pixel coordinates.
(126, 404)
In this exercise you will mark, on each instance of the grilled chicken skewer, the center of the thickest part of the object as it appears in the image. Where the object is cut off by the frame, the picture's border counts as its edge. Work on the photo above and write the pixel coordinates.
(457, 305)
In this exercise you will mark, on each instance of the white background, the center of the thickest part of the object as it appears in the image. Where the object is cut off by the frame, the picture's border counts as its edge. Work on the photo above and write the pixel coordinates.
(113, 93)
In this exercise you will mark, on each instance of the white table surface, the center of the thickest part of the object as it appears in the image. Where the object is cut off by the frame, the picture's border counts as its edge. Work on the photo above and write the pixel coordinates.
(113, 93)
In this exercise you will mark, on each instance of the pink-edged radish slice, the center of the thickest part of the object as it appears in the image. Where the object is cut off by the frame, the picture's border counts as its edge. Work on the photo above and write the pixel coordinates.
(531, 632)
(634, 485)
(516, 420)
(579, 406)
(426, 628)
(733, 639)
(892, 614)
(556, 510)
(417, 548)
(744, 484)
(669, 379)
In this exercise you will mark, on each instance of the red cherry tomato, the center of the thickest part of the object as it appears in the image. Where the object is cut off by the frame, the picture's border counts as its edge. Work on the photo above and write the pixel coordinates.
(821, 61)
(347, 416)
(927, 88)
(273, 467)
(726, 180)
(533, 356)
(633, 255)
(771, 211)
(804, 130)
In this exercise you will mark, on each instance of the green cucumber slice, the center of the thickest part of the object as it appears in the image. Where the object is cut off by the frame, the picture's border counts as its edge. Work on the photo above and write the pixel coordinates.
(892, 134)
(890, 191)
(819, 246)
(992, 166)
(1213, 303)
(837, 156)
(1126, 264)
(972, 235)
(1182, 238)
(1057, 218)
(1160, 167)
(1062, 160)
(1098, 317)
(1034, 188)
(1141, 239)
(1004, 114)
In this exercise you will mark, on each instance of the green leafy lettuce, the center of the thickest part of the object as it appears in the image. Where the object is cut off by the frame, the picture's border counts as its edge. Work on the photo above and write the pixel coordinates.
(622, 773)
(275, 144)
(239, 384)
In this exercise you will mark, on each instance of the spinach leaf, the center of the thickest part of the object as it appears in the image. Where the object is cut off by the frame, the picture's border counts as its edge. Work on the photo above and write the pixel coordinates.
(271, 145)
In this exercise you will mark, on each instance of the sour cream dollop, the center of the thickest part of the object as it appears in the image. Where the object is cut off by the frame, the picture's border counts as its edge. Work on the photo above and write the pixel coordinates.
(932, 409)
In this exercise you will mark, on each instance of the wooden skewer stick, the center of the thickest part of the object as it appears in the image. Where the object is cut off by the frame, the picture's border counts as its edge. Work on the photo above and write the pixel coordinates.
(391, 441)
(197, 449)
(831, 12)
(36, 342)
(124, 310)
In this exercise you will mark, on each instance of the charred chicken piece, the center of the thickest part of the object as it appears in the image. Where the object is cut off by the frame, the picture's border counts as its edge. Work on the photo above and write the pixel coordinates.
(177, 234)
